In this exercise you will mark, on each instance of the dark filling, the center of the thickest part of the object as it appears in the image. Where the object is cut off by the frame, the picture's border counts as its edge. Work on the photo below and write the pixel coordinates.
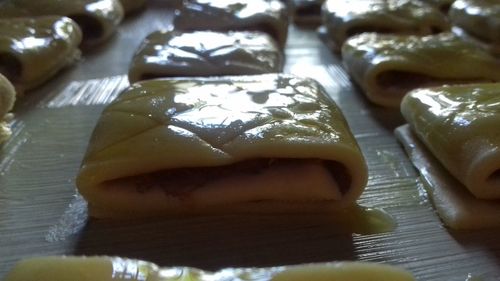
(91, 28)
(401, 82)
(494, 177)
(180, 182)
(10, 67)
(308, 10)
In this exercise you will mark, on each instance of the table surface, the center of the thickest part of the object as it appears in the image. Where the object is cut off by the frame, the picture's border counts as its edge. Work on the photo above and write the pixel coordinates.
(40, 213)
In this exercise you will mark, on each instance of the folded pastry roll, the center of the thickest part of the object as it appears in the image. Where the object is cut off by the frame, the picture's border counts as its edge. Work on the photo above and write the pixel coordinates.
(388, 66)
(205, 53)
(346, 18)
(307, 11)
(98, 19)
(479, 21)
(113, 268)
(33, 50)
(268, 16)
(459, 126)
(264, 143)
(7, 99)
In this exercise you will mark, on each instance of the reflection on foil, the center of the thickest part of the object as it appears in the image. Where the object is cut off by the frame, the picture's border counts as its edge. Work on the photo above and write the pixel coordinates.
(71, 222)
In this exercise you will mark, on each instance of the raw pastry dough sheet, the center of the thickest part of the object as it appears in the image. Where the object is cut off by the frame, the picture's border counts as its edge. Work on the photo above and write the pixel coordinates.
(40, 214)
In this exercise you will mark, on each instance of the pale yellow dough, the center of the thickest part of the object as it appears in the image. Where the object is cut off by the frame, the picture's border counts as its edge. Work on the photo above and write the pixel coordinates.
(386, 67)
(113, 269)
(286, 144)
(459, 126)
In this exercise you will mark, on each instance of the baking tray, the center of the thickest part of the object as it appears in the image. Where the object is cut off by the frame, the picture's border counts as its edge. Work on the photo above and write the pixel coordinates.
(41, 213)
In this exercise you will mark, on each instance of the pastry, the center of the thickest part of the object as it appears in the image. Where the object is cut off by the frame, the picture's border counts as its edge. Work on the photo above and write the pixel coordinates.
(346, 18)
(98, 19)
(307, 12)
(7, 99)
(478, 21)
(205, 53)
(386, 67)
(268, 16)
(113, 268)
(33, 50)
(454, 138)
(249, 144)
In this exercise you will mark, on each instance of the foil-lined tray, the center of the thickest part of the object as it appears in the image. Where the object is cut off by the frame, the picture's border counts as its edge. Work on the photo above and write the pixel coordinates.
(41, 213)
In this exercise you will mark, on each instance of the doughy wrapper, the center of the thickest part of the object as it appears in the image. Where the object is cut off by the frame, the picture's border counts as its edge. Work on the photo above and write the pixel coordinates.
(33, 50)
(98, 19)
(205, 53)
(479, 18)
(455, 205)
(113, 268)
(388, 66)
(268, 16)
(459, 125)
(346, 18)
(287, 145)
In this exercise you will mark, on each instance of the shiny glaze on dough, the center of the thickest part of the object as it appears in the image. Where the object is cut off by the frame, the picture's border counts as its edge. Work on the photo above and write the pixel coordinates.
(268, 16)
(114, 268)
(42, 46)
(108, 13)
(344, 18)
(205, 53)
(460, 125)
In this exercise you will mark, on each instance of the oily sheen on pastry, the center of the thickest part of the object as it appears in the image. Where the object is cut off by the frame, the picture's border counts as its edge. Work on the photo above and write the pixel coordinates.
(268, 16)
(478, 21)
(386, 67)
(33, 50)
(249, 144)
(346, 18)
(460, 156)
(205, 53)
(102, 268)
(98, 19)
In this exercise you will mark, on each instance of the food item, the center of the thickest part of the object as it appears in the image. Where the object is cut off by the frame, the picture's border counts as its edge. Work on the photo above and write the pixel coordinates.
(443, 5)
(458, 125)
(263, 143)
(7, 99)
(107, 268)
(205, 53)
(98, 19)
(478, 21)
(268, 16)
(132, 6)
(388, 66)
(307, 11)
(346, 18)
(33, 50)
